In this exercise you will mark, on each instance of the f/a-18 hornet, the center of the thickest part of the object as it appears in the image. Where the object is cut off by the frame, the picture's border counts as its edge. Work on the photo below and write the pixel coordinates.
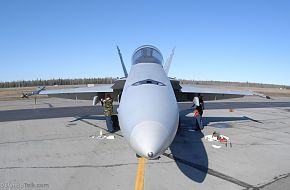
(148, 111)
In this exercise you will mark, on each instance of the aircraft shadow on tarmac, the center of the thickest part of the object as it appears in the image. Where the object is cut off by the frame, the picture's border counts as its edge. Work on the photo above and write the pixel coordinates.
(189, 121)
(190, 155)
(187, 148)
(93, 117)
(188, 151)
(98, 117)
(208, 120)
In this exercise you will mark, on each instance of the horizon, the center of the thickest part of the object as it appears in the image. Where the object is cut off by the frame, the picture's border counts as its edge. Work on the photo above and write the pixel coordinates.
(240, 41)
(116, 78)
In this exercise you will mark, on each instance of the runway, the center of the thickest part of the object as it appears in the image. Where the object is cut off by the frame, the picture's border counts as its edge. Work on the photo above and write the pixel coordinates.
(49, 144)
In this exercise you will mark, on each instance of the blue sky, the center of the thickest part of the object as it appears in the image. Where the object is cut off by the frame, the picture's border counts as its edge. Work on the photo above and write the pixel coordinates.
(226, 40)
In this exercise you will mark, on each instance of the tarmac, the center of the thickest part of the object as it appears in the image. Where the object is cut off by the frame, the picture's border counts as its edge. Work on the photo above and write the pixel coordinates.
(49, 145)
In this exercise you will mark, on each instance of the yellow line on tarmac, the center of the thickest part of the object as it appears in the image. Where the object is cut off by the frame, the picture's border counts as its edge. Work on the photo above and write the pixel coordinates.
(140, 174)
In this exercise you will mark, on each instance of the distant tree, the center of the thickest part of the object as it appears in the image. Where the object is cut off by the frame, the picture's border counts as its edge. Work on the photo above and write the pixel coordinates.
(110, 80)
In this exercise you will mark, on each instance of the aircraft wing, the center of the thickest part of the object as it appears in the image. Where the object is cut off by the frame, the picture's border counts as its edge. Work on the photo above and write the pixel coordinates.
(188, 92)
(84, 93)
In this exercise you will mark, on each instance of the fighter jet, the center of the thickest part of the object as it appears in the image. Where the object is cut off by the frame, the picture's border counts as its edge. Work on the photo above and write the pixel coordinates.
(148, 110)
(27, 94)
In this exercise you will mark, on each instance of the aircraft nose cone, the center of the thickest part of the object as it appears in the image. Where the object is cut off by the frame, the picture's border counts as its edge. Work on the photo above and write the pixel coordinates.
(148, 139)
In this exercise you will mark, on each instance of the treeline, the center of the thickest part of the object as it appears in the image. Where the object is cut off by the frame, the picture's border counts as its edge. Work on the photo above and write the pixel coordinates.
(233, 84)
(110, 80)
(52, 82)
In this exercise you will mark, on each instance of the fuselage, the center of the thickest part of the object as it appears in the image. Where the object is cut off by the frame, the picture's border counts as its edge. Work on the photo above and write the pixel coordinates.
(148, 111)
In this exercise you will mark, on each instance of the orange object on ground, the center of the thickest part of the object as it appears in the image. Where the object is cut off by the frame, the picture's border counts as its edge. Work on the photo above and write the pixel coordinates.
(222, 139)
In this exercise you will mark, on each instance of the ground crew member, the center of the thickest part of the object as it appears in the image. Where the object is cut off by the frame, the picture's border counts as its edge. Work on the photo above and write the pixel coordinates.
(108, 111)
(201, 103)
(198, 112)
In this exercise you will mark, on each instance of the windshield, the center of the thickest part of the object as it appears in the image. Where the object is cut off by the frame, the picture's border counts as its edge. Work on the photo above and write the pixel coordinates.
(147, 54)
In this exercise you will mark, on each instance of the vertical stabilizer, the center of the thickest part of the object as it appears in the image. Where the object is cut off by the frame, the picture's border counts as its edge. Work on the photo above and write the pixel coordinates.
(122, 62)
(168, 62)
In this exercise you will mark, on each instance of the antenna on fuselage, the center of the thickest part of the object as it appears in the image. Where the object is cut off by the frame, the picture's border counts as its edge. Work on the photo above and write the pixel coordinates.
(122, 62)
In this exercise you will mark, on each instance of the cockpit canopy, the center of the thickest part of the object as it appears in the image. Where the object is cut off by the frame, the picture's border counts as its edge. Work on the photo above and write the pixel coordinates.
(147, 54)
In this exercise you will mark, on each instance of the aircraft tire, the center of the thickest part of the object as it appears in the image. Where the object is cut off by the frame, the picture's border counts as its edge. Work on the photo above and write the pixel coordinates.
(115, 120)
